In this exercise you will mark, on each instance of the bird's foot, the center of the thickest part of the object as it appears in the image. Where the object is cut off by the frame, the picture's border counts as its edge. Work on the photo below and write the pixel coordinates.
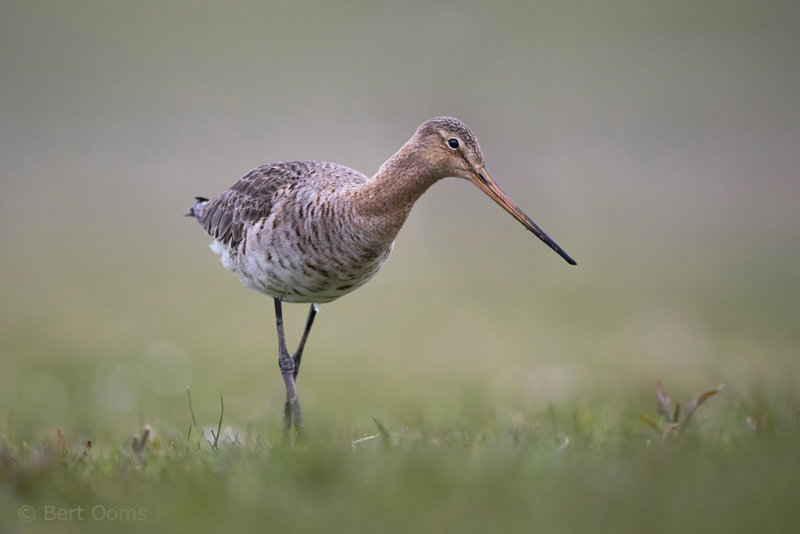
(293, 416)
(292, 413)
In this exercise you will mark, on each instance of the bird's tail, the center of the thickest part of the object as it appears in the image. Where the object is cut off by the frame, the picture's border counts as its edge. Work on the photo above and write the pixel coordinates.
(197, 208)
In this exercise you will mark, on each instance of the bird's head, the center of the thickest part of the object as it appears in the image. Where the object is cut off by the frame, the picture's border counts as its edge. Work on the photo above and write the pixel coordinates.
(449, 148)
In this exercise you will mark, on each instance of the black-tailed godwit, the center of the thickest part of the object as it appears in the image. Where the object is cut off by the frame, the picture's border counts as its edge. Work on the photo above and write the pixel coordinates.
(307, 231)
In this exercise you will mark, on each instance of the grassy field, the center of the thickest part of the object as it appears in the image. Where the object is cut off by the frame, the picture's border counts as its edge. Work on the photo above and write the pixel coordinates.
(468, 475)
(655, 141)
(517, 410)
(562, 469)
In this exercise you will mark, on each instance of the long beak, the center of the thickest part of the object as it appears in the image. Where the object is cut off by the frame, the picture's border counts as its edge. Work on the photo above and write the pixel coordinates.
(485, 183)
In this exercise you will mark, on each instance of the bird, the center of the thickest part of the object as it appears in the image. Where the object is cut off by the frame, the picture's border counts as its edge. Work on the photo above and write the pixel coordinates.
(312, 232)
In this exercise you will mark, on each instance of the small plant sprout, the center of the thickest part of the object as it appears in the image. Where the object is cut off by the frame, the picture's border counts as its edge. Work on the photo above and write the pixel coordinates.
(676, 418)
(139, 443)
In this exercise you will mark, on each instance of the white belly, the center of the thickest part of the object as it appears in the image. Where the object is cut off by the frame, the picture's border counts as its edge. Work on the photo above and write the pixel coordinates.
(283, 271)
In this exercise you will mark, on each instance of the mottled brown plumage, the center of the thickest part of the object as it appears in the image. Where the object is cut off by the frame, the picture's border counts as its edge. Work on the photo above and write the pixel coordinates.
(306, 231)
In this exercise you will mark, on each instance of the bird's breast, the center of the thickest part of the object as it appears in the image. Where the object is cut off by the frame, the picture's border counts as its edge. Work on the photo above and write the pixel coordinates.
(308, 251)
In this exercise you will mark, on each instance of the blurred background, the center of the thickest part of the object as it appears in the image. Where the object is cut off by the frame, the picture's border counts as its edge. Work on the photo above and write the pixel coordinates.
(657, 142)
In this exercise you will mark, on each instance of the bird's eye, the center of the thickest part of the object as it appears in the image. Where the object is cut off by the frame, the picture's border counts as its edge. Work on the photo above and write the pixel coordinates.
(452, 143)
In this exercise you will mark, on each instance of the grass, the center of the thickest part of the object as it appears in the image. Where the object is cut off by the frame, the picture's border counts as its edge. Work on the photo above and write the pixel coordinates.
(555, 470)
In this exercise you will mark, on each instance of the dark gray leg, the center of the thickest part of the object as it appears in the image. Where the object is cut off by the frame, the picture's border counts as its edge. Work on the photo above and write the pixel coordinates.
(298, 355)
(291, 413)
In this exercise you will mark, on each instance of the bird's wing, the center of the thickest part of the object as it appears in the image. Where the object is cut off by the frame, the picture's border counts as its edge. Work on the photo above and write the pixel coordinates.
(226, 217)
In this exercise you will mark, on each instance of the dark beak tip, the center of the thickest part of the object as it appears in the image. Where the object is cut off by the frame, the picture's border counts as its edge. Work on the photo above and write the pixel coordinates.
(567, 257)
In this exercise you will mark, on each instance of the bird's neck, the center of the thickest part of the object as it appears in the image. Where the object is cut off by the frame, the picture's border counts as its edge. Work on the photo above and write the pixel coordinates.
(397, 185)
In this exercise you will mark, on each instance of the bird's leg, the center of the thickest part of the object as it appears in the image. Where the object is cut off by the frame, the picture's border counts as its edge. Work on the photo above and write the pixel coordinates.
(291, 412)
(298, 355)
